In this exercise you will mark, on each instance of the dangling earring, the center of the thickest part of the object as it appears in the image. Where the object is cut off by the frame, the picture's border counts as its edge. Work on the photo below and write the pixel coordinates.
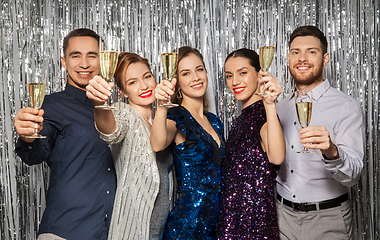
(179, 94)
(121, 97)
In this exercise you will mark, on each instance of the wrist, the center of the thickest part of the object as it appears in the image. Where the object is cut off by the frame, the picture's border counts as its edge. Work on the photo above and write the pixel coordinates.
(97, 103)
(331, 153)
(27, 140)
(270, 106)
(161, 108)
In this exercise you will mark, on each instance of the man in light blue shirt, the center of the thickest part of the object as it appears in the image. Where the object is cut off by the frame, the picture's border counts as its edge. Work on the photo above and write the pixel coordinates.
(312, 188)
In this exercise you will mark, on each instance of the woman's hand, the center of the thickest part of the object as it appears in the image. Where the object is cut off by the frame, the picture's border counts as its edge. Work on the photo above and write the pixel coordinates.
(272, 86)
(164, 90)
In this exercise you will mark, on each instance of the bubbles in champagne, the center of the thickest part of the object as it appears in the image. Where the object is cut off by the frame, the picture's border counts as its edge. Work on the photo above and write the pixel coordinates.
(169, 64)
(108, 63)
(36, 94)
(266, 57)
(304, 113)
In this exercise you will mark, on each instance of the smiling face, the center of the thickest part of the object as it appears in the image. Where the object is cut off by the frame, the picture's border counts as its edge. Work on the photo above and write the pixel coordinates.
(241, 79)
(81, 60)
(192, 77)
(139, 84)
(306, 61)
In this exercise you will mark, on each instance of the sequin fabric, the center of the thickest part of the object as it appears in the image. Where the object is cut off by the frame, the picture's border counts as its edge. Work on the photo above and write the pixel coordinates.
(248, 209)
(197, 167)
(138, 177)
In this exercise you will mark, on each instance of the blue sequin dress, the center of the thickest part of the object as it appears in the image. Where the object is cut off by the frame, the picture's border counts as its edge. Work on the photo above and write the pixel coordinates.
(197, 167)
(248, 209)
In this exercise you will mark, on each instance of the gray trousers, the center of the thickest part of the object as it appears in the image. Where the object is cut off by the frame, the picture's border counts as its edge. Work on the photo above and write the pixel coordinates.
(334, 223)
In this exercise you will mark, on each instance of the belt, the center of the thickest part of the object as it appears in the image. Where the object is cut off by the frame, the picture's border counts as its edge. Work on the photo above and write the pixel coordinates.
(335, 202)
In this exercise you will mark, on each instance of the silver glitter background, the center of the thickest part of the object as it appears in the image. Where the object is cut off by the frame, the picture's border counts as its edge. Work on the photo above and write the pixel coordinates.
(31, 34)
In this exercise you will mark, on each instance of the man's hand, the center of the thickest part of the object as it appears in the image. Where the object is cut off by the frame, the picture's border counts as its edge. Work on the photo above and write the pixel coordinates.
(317, 137)
(27, 121)
(98, 90)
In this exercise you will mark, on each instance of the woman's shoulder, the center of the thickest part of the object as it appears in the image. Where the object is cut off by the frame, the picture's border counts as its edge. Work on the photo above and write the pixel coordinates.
(185, 122)
(177, 112)
(256, 109)
(127, 115)
(213, 118)
(121, 106)
(124, 109)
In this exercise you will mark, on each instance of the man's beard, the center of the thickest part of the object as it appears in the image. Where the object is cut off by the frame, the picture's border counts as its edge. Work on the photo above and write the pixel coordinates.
(309, 78)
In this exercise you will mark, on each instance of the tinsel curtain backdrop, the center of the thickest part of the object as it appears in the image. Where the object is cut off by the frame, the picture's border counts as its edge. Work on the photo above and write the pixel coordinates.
(31, 34)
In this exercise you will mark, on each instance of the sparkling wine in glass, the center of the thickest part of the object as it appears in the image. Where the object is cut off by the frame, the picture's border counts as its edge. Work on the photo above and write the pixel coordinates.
(169, 66)
(304, 116)
(36, 92)
(266, 58)
(108, 57)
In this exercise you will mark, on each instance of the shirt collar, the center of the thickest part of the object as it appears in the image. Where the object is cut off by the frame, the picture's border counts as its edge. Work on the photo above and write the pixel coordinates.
(316, 92)
(76, 93)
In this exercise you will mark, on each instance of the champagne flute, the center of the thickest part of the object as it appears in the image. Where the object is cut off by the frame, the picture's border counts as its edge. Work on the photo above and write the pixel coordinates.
(266, 58)
(169, 65)
(36, 92)
(304, 115)
(108, 56)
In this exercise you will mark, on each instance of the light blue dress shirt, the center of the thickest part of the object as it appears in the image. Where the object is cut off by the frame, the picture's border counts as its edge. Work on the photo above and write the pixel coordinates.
(309, 177)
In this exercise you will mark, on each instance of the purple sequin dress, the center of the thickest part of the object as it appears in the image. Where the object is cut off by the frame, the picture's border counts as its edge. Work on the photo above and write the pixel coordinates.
(248, 209)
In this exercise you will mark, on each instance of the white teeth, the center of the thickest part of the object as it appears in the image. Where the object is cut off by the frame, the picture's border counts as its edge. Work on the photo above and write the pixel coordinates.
(145, 94)
(302, 68)
(196, 86)
(84, 73)
(238, 89)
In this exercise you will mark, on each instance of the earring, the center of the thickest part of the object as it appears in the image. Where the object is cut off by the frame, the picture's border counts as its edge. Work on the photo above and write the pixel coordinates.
(179, 94)
(121, 97)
